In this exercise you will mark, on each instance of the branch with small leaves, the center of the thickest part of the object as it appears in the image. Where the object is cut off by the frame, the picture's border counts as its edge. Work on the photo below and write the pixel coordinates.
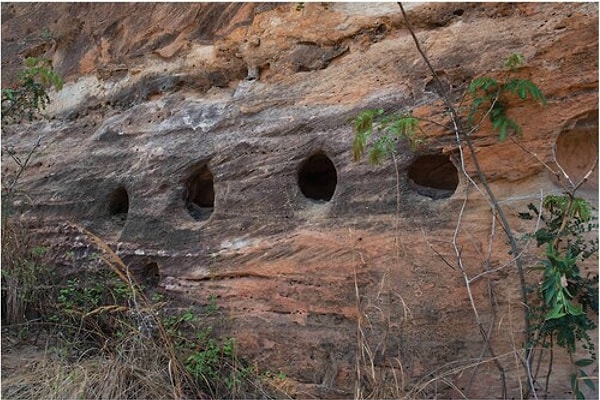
(29, 96)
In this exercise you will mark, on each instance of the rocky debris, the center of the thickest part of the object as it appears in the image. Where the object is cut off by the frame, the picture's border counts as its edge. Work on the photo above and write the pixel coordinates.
(210, 144)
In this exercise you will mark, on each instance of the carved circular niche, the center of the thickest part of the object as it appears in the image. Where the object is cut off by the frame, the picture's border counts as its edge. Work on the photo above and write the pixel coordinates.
(434, 176)
(118, 202)
(146, 273)
(577, 148)
(199, 194)
(317, 177)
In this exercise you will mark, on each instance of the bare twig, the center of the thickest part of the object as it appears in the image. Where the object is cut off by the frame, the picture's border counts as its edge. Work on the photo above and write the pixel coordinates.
(553, 172)
(560, 168)
(585, 177)
(21, 164)
(437, 252)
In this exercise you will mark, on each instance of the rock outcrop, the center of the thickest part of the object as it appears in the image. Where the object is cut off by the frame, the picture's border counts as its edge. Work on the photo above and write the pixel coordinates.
(213, 141)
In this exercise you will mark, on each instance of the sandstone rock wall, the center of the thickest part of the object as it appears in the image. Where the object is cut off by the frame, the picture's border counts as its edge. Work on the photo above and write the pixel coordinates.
(213, 141)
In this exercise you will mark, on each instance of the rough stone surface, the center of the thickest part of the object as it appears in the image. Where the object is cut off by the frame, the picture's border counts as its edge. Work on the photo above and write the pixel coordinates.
(165, 102)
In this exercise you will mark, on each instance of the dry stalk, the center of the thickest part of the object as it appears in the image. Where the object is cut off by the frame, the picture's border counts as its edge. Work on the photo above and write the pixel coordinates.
(451, 369)
(143, 308)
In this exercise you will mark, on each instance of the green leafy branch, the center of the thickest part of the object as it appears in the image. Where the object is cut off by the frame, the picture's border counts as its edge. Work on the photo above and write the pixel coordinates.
(566, 296)
(580, 375)
(29, 95)
(379, 133)
(557, 272)
(376, 132)
(490, 98)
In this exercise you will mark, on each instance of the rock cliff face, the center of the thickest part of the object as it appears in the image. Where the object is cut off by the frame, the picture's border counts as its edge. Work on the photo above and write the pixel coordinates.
(211, 145)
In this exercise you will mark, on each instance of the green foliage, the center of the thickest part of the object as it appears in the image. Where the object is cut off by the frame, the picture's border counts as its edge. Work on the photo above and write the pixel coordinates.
(96, 312)
(25, 277)
(376, 132)
(206, 361)
(581, 376)
(565, 297)
(91, 308)
(209, 359)
(574, 207)
(84, 296)
(46, 34)
(29, 95)
(380, 132)
(514, 61)
(525, 89)
(490, 98)
(557, 272)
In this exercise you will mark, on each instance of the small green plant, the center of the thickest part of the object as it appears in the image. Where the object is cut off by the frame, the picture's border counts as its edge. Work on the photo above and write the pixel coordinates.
(383, 131)
(29, 95)
(565, 298)
(581, 376)
(25, 277)
(157, 298)
(207, 359)
(93, 307)
(490, 97)
(212, 304)
(46, 34)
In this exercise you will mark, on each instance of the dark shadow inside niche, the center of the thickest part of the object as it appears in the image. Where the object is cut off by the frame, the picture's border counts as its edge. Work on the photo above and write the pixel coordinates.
(577, 149)
(145, 272)
(433, 176)
(118, 203)
(149, 275)
(199, 194)
(317, 177)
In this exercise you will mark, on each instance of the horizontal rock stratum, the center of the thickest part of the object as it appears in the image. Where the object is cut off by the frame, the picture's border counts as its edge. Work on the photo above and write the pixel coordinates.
(214, 141)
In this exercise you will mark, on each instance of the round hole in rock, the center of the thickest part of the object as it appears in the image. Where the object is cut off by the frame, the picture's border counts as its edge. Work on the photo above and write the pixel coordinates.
(577, 149)
(150, 276)
(317, 177)
(145, 272)
(433, 176)
(118, 201)
(199, 194)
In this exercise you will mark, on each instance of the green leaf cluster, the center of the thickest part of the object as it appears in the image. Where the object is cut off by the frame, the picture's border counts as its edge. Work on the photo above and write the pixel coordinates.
(557, 272)
(29, 95)
(206, 361)
(514, 61)
(377, 133)
(574, 207)
(581, 375)
(490, 99)
(566, 297)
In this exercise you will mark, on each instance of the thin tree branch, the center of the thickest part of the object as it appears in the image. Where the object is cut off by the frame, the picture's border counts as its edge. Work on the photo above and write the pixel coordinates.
(553, 172)
(586, 176)
(459, 131)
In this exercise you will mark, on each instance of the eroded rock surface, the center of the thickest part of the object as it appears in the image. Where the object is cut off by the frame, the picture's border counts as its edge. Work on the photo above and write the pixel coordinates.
(182, 131)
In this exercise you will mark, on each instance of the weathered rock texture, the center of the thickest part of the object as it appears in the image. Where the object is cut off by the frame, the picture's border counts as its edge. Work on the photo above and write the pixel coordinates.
(214, 141)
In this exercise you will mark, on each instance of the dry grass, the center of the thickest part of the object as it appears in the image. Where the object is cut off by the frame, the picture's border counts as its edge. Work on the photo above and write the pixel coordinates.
(91, 378)
(107, 340)
(24, 276)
